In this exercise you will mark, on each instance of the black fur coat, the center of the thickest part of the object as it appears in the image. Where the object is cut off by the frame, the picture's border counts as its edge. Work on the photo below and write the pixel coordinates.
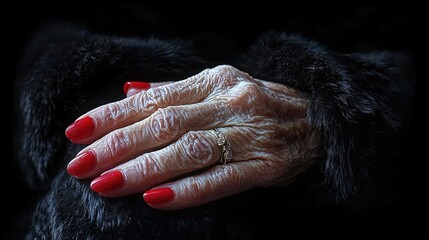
(357, 103)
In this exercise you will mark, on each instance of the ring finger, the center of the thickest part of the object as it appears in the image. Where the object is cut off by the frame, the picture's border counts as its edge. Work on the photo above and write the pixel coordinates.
(194, 151)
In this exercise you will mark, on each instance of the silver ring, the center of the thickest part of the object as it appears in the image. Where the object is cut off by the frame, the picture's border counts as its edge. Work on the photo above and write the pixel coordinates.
(225, 146)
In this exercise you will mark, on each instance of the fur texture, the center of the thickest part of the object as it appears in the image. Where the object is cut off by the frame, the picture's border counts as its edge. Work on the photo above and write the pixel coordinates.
(68, 71)
(354, 103)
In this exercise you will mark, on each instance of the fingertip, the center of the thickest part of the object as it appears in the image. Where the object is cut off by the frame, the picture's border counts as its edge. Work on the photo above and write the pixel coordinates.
(80, 129)
(135, 85)
(158, 196)
(108, 182)
(82, 164)
(127, 86)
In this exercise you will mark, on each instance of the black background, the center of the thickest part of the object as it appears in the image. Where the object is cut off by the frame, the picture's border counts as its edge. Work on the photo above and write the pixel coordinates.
(345, 29)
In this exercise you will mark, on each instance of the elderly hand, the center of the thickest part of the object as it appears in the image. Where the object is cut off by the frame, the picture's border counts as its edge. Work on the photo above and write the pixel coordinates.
(162, 140)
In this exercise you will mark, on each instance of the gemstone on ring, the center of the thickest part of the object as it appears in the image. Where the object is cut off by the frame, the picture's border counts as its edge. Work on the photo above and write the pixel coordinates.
(225, 145)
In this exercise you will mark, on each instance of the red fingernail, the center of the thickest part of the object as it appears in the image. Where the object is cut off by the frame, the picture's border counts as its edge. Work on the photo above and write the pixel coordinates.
(139, 85)
(82, 164)
(80, 129)
(158, 195)
(108, 181)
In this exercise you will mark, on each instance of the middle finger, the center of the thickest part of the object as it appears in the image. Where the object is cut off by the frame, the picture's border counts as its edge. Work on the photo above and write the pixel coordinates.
(195, 150)
(161, 128)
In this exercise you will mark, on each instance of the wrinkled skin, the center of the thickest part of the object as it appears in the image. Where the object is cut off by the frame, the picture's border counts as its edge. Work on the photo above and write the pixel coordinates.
(163, 137)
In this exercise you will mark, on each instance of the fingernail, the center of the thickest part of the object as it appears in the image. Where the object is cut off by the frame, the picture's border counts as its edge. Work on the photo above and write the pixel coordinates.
(139, 85)
(80, 129)
(108, 181)
(82, 164)
(158, 195)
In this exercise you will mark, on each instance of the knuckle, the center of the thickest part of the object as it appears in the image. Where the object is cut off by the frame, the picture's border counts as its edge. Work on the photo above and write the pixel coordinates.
(196, 148)
(165, 124)
(153, 98)
(114, 112)
(119, 142)
(250, 95)
(197, 189)
(203, 74)
(224, 76)
(148, 168)
(225, 69)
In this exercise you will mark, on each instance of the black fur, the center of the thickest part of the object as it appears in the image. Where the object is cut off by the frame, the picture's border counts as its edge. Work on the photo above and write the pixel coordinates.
(355, 102)
(63, 71)
(68, 70)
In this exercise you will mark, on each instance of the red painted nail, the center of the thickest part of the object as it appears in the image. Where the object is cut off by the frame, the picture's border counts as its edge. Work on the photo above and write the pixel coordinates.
(108, 181)
(158, 195)
(139, 85)
(82, 164)
(80, 129)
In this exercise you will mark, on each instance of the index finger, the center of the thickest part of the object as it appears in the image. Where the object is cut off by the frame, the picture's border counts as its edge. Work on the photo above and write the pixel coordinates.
(106, 118)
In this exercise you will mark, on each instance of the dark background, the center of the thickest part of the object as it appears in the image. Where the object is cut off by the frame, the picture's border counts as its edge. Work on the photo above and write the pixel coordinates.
(345, 29)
